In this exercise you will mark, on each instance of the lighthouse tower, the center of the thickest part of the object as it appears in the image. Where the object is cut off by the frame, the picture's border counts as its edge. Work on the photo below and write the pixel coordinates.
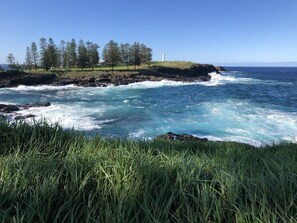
(163, 57)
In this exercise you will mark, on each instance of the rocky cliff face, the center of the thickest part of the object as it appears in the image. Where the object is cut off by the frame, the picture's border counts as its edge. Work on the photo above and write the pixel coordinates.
(195, 70)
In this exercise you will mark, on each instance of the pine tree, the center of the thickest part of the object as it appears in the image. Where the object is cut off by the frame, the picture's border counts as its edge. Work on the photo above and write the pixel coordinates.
(67, 55)
(28, 59)
(135, 54)
(83, 58)
(34, 55)
(72, 54)
(52, 52)
(11, 61)
(93, 54)
(62, 54)
(145, 54)
(44, 57)
(111, 53)
(125, 54)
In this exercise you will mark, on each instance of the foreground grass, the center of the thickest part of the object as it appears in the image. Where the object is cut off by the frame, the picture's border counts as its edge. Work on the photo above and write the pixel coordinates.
(51, 175)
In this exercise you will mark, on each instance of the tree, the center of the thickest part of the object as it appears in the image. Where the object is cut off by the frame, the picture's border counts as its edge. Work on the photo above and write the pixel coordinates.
(125, 54)
(11, 60)
(28, 59)
(34, 55)
(93, 54)
(83, 57)
(44, 58)
(111, 53)
(62, 54)
(72, 53)
(135, 54)
(145, 54)
(67, 55)
(52, 53)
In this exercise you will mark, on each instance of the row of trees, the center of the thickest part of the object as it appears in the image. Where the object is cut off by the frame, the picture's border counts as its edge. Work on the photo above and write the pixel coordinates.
(135, 54)
(66, 55)
(70, 54)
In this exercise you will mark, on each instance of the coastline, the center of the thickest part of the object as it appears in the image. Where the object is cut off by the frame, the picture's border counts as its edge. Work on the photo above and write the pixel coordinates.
(193, 73)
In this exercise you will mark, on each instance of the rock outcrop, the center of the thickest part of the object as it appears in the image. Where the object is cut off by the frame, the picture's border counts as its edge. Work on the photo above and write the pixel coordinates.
(220, 68)
(181, 137)
(6, 108)
(195, 70)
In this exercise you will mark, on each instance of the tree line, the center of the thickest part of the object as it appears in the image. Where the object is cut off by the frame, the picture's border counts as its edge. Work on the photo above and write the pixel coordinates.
(82, 55)
(135, 54)
(67, 55)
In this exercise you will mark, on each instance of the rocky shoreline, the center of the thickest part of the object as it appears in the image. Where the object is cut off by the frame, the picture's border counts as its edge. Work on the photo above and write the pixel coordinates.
(195, 72)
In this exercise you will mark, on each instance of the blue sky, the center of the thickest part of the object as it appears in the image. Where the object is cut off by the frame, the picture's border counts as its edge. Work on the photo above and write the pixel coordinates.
(225, 32)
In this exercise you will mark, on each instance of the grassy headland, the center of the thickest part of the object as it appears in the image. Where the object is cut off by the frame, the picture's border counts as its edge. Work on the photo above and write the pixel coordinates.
(103, 75)
(51, 175)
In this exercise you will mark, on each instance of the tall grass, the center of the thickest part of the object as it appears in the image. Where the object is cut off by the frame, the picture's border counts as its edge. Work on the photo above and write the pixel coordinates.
(51, 175)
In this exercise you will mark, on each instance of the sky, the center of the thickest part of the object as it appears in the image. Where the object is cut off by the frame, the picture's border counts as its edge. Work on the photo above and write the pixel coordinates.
(221, 32)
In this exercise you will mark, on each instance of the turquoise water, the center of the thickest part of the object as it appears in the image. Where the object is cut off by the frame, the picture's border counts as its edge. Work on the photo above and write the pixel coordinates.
(252, 105)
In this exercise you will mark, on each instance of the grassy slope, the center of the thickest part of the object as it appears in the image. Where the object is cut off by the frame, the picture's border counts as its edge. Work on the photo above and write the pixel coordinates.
(49, 175)
(119, 69)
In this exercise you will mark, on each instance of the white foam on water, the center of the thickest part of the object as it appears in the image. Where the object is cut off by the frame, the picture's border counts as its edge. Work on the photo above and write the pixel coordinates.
(43, 87)
(154, 84)
(248, 123)
(239, 139)
(235, 78)
(68, 116)
(139, 134)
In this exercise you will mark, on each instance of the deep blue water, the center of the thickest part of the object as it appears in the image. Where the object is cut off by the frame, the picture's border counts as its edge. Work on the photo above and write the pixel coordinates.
(253, 105)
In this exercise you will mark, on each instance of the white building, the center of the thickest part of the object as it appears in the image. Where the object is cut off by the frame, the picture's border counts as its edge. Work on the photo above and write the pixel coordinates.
(163, 57)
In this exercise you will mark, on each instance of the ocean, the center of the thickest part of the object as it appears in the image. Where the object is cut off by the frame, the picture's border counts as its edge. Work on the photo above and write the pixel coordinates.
(252, 105)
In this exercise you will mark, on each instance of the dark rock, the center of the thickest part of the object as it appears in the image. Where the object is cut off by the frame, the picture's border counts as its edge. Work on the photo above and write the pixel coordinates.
(220, 68)
(105, 80)
(89, 79)
(13, 108)
(195, 70)
(29, 80)
(26, 106)
(181, 137)
(44, 104)
(8, 108)
(24, 117)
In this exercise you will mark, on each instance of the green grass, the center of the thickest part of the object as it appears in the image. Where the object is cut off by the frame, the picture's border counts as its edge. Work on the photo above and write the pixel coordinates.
(107, 69)
(51, 175)
(96, 71)
(178, 64)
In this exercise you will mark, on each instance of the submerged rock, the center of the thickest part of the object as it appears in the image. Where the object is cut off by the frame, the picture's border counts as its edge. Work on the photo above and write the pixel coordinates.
(8, 108)
(24, 117)
(43, 104)
(4, 108)
(181, 137)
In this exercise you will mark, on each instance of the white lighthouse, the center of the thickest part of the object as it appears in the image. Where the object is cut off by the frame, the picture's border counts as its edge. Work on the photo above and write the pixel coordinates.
(163, 57)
